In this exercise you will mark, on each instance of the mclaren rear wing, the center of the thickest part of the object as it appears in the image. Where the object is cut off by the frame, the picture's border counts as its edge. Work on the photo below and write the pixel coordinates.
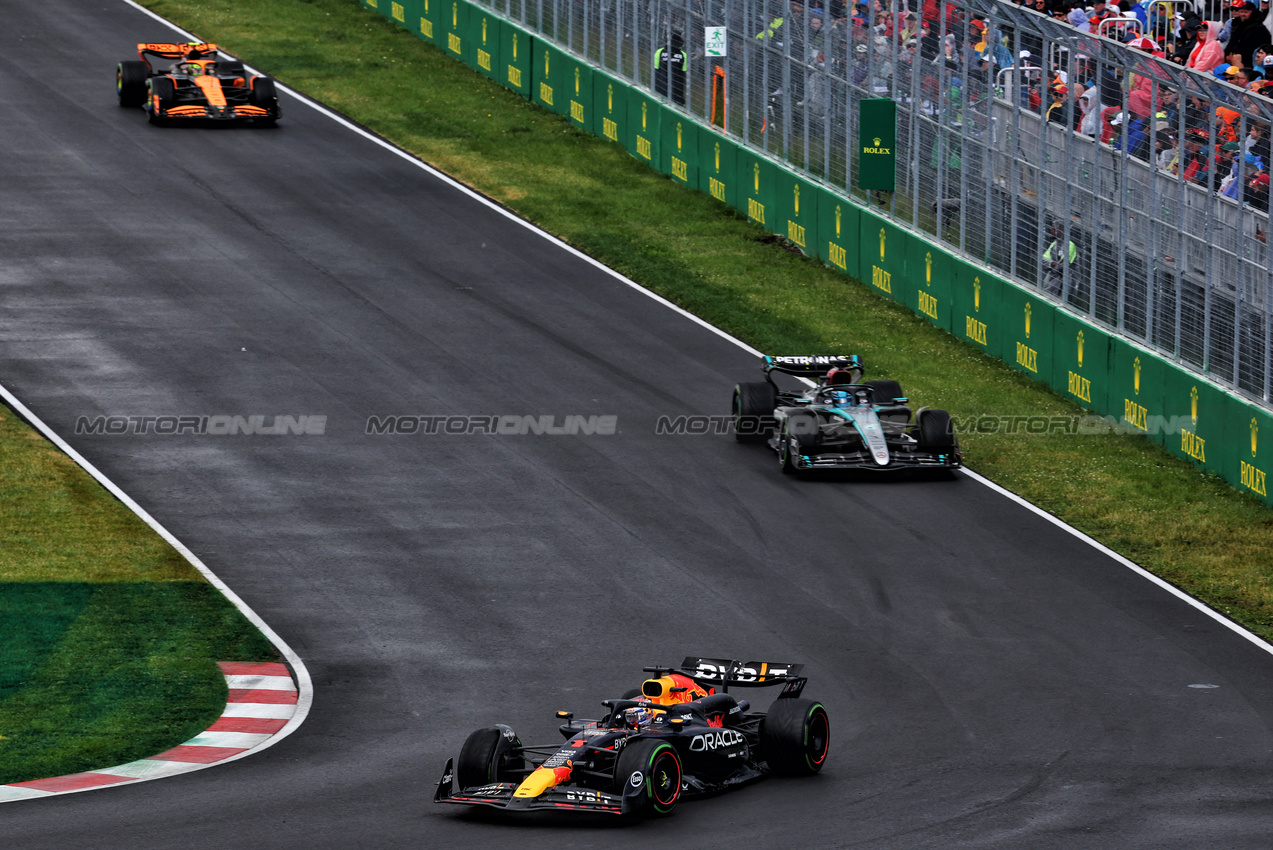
(165, 50)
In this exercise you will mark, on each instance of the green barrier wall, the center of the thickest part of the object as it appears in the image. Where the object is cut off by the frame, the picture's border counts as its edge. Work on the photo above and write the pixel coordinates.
(454, 29)
(609, 107)
(798, 211)
(931, 272)
(579, 92)
(717, 158)
(425, 20)
(678, 148)
(975, 300)
(486, 33)
(839, 223)
(756, 197)
(1026, 341)
(641, 136)
(547, 64)
(1080, 362)
(1107, 374)
(514, 57)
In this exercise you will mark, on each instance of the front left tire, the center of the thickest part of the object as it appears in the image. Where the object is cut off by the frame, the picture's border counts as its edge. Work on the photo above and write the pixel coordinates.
(648, 774)
(130, 83)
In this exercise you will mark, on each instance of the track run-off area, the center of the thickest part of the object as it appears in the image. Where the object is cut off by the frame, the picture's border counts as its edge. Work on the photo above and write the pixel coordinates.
(993, 680)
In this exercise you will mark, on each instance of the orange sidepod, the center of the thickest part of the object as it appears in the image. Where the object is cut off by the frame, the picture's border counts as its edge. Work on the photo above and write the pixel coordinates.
(542, 779)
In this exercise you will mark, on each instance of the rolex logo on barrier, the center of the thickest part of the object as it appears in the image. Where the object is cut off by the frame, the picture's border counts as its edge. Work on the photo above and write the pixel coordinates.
(718, 157)
(1027, 319)
(928, 269)
(1136, 375)
(1190, 443)
(678, 136)
(756, 171)
(882, 233)
(455, 14)
(976, 295)
(1255, 430)
(1080, 338)
(577, 74)
(796, 192)
(645, 107)
(837, 221)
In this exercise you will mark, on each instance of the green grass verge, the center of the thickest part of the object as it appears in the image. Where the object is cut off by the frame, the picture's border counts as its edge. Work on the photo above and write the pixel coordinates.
(110, 638)
(1191, 529)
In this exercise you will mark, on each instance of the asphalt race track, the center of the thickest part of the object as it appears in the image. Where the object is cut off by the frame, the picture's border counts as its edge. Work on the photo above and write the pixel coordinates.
(993, 682)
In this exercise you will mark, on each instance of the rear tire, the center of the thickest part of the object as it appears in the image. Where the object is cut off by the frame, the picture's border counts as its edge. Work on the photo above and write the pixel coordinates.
(753, 410)
(884, 392)
(162, 97)
(130, 83)
(937, 432)
(486, 756)
(648, 774)
(795, 737)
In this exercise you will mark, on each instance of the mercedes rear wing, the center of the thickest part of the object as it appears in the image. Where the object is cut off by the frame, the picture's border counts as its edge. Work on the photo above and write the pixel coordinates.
(812, 366)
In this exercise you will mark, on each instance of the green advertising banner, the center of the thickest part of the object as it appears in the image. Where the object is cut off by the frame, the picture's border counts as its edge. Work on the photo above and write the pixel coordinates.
(756, 198)
(578, 88)
(642, 130)
(485, 35)
(1194, 417)
(1252, 435)
(547, 65)
(678, 148)
(877, 144)
(609, 107)
(1136, 390)
(838, 231)
(717, 158)
(1080, 362)
(928, 269)
(455, 25)
(884, 246)
(425, 19)
(1027, 339)
(514, 58)
(798, 211)
(397, 12)
(975, 302)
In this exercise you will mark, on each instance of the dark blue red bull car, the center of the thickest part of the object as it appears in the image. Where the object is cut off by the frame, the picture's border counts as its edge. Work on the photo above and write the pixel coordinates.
(681, 734)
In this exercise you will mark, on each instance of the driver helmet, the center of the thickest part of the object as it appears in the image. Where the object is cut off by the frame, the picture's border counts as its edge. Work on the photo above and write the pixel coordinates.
(638, 717)
(841, 398)
(193, 69)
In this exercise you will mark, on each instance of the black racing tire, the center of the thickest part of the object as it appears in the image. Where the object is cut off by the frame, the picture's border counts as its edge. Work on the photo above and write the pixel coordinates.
(265, 96)
(632, 693)
(648, 773)
(803, 428)
(162, 97)
(883, 392)
(795, 737)
(130, 83)
(485, 757)
(230, 68)
(936, 432)
(753, 410)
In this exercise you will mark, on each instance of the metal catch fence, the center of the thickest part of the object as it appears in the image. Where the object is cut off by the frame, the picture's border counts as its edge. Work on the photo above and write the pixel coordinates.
(1129, 196)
